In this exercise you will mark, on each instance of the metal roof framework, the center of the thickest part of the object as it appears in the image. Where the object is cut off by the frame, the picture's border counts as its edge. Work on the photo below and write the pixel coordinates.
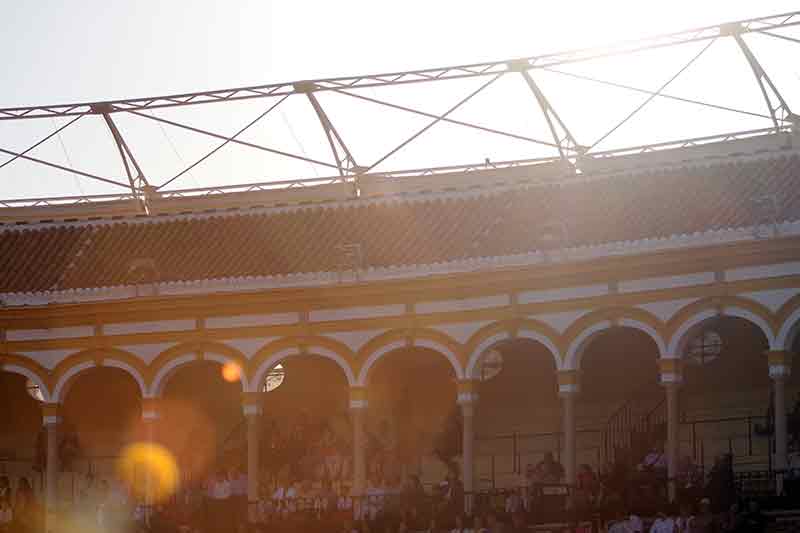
(347, 167)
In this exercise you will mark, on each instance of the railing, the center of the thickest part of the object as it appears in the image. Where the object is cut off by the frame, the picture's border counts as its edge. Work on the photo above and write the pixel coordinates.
(628, 429)
(518, 449)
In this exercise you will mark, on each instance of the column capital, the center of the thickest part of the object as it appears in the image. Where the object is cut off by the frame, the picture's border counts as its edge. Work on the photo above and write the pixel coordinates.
(358, 398)
(670, 371)
(251, 403)
(568, 382)
(780, 363)
(467, 392)
(51, 413)
(150, 409)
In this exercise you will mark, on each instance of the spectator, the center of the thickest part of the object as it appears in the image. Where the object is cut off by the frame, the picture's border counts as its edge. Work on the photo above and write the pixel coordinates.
(704, 520)
(548, 470)
(6, 515)
(654, 461)
(663, 524)
(685, 521)
(720, 487)
(731, 521)
(219, 496)
(25, 514)
(238, 499)
(754, 520)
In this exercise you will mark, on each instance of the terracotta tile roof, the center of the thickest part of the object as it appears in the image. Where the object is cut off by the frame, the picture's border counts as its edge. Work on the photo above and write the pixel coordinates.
(428, 229)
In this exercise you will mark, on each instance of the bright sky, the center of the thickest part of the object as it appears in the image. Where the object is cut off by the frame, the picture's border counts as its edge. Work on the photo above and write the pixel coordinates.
(59, 52)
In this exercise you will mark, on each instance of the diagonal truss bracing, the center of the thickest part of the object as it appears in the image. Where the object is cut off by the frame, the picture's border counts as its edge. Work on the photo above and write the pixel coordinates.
(344, 160)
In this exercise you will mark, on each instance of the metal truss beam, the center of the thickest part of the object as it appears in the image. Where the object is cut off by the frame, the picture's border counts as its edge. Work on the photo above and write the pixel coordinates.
(345, 162)
(755, 25)
(778, 108)
(567, 145)
(136, 179)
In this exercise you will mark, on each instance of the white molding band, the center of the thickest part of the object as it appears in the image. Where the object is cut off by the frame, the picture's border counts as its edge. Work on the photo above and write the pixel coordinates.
(359, 404)
(780, 371)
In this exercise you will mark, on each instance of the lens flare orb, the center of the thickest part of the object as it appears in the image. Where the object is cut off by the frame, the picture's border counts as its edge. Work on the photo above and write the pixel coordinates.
(231, 372)
(149, 470)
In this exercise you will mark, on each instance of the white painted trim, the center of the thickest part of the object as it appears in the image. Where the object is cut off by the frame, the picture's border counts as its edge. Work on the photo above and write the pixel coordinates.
(782, 371)
(58, 390)
(569, 388)
(312, 350)
(576, 349)
(476, 354)
(359, 404)
(157, 387)
(116, 363)
(374, 357)
(251, 410)
(788, 332)
(649, 330)
(17, 369)
(762, 324)
(441, 348)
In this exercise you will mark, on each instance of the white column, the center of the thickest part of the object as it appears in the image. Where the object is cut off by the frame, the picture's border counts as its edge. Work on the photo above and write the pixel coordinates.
(252, 411)
(779, 371)
(467, 398)
(671, 377)
(150, 416)
(568, 388)
(358, 409)
(51, 420)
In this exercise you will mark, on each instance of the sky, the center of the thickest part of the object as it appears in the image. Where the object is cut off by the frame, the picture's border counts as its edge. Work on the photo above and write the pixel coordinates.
(61, 52)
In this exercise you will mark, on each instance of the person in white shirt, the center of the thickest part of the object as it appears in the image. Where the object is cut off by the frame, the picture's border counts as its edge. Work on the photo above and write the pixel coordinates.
(635, 524)
(663, 524)
(219, 492)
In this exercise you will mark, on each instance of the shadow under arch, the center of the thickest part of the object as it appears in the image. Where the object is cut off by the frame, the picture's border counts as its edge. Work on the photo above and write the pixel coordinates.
(499, 332)
(71, 368)
(277, 351)
(169, 361)
(391, 341)
(690, 319)
(586, 329)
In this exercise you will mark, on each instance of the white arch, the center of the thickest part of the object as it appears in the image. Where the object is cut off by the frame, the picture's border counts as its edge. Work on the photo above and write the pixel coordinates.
(649, 330)
(157, 387)
(33, 376)
(788, 332)
(280, 355)
(122, 365)
(759, 321)
(59, 390)
(575, 350)
(678, 341)
(401, 343)
(505, 335)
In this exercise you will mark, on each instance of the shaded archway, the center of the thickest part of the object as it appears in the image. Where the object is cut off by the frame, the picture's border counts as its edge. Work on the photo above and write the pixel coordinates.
(21, 433)
(306, 433)
(620, 397)
(101, 410)
(725, 383)
(518, 413)
(412, 424)
(200, 412)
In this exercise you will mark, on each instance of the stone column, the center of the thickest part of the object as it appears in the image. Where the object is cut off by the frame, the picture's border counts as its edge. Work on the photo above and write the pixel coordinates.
(51, 419)
(467, 397)
(252, 412)
(150, 417)
(779, 371)
(568, 389)
(671, 377)
(358, 409)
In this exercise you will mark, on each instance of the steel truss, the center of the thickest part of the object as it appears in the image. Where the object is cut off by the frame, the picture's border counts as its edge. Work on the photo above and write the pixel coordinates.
(344, 161)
